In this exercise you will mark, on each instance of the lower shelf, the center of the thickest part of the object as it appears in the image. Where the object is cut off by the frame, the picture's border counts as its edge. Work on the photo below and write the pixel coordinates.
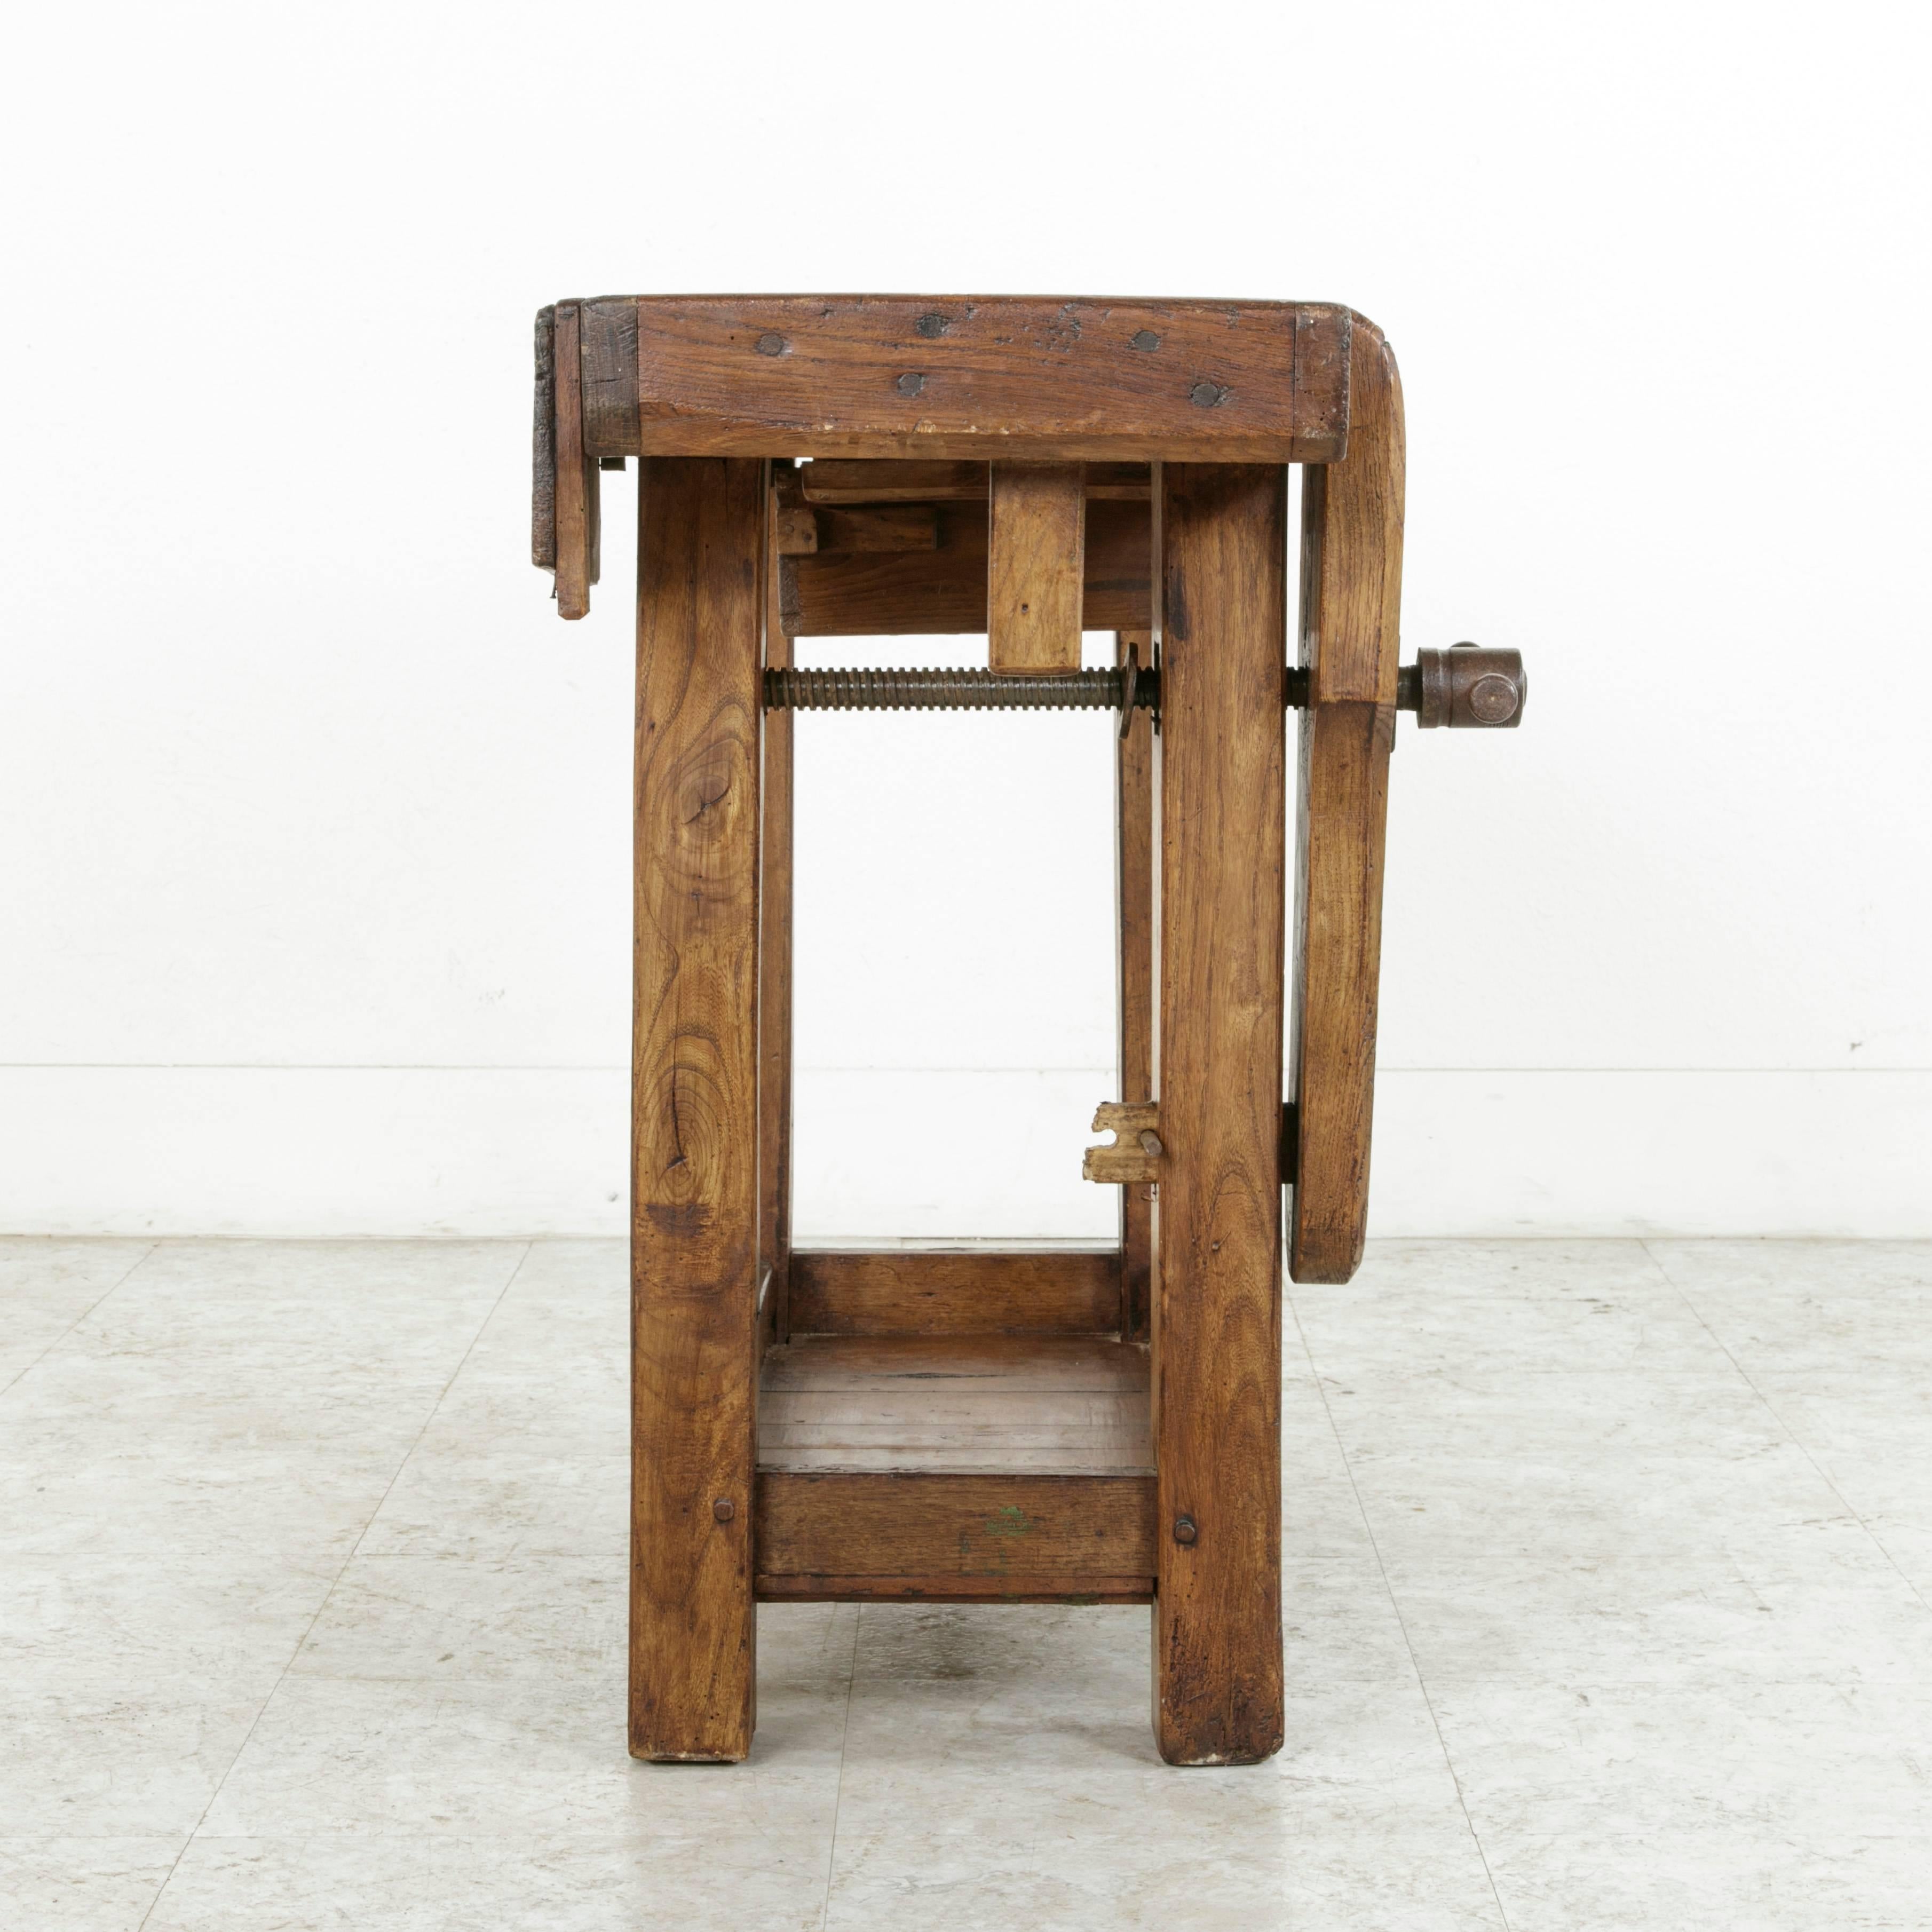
(1052, 1405)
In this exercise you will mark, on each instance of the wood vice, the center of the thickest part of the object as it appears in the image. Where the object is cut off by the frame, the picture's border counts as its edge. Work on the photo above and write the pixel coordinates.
(1098, 1427)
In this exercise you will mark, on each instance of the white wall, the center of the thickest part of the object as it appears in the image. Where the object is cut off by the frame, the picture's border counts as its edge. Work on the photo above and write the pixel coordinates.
(312, 829)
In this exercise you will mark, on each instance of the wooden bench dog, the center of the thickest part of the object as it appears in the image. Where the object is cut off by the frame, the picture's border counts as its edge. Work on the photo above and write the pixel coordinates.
(1099, 1427)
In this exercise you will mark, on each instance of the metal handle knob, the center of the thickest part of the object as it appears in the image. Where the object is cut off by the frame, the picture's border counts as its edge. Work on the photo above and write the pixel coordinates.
(1467, 687)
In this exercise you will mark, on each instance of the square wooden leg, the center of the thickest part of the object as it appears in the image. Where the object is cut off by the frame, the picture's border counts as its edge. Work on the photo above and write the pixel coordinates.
(1216, 1331)
(694, 1107)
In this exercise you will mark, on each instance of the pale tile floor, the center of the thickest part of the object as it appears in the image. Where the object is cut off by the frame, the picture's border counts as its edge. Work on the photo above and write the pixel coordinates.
(1609, 1568)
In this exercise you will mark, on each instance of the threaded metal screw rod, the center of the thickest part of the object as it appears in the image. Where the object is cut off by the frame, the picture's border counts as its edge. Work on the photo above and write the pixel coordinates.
(1464, 686)
(790, 690)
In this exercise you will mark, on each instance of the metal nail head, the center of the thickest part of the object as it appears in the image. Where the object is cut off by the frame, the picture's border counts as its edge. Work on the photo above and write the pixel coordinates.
(910, 384)
(771, 344)
(1184, 1530)
(722, 1509)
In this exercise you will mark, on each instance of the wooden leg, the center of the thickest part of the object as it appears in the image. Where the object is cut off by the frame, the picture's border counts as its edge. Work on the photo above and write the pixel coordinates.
(1351, 601)
(1133, 827)
(775, 983)
(694, 1108)
(1217, 1330)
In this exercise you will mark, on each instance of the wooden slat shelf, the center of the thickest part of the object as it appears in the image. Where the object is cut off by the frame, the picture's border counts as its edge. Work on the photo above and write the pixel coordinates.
(965, 1404)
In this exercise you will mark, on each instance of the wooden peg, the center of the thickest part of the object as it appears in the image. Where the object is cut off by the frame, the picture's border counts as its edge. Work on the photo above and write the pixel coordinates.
(1036, 565)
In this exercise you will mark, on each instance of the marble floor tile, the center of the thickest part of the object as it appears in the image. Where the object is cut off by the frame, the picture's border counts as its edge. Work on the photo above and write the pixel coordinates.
(447, 1619)
(83, 1884)
(1868, 1429)
(1819, 1604)
(1608, 1603)
(1490, 1308)
(60, 1497)
(155, 1625)
(97, 1761)
(1340, 1622)
(539, 1757)
(631, 1874)
(1597, 1794)
(1002, 1773)
(1616, 1463)
(46, 1286)
(464, 1493)
(1787, 1306)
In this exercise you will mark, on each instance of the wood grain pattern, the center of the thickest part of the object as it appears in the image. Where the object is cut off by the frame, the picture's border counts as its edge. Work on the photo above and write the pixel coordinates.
(694, 1110)
(1352, 602)
(913, 1292)
(1035, 567)
(775, 959)
(574, 501)
(1133, 883)
(961, 1404)
(1022, 1535)
(1128, 1157)
(1217, 1329)
(877, 527)
(889, 480)
(1005, 1589)
(965, 377)
(943, 592)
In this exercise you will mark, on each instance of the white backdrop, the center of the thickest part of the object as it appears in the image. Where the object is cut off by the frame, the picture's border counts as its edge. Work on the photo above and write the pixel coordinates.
(314, 845)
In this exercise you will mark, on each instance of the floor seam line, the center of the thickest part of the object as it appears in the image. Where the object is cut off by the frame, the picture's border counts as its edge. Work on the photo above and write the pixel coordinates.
(121, 1282)
(328, 1595)
(839, 1792)
(1402, 1622)
(1791, 1436)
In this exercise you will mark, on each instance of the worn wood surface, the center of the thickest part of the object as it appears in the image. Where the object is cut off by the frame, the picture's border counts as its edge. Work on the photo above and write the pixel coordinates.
(884, 594)
(887, 480)
(574, 533)
(966, 377)
(1133, 878)
(775, 957)
(1035, 567)
(902, 1291)
(1217, 1330)
(1352, 602)
(878, 526)
(1128, 1158)
(695, 1204)
(1047, 1404)
(1018, 1535)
